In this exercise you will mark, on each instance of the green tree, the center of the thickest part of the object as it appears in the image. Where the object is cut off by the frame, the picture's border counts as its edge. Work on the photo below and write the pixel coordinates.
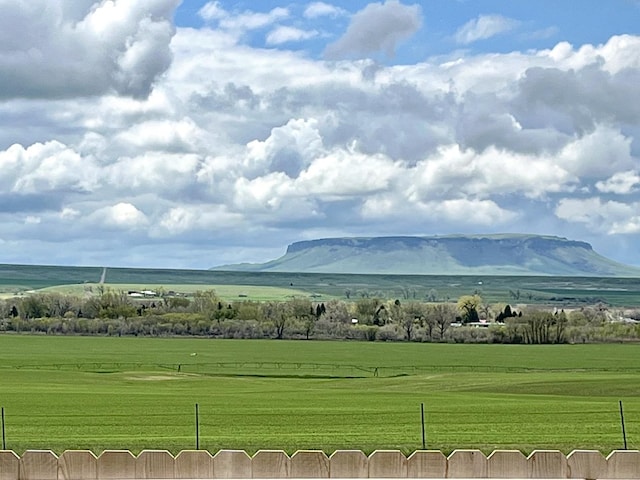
(120, 306)
(205, 302)
(468, 306)
(303, 312)
(247, 310)
(277, 314)
(506, 313)
(336, 311)
(370, 311)
(110, 304)
(176, 303)
(541, 326)
(32, 306)
(410, 316)
(560, 326)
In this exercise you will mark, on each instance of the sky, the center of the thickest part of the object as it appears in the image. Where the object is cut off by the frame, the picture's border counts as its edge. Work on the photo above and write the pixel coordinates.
(168, 134)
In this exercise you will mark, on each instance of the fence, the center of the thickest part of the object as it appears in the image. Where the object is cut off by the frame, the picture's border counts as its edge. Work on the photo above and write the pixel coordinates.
(200, 464)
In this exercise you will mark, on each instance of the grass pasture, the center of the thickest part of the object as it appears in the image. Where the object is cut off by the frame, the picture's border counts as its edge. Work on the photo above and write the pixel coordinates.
(135, 393)
(258, 293)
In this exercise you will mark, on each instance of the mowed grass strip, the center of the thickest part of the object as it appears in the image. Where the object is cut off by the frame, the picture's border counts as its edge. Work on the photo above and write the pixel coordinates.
(112, 393)
(227, 293)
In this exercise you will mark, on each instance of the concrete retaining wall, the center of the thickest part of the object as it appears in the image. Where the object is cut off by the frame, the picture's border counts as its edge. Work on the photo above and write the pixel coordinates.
(201, 464)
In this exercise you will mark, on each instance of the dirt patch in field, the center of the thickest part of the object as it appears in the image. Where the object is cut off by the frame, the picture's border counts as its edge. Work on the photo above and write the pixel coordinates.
(153, 378)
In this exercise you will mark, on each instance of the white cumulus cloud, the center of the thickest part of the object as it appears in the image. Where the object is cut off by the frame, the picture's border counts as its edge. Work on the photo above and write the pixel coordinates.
(48, 50)
(322, 9)
(285, 34)
(122, 215)
(237, 23)
(189, 218)
(611, 217)
(483, 27)
(621, 183)
(46, 167)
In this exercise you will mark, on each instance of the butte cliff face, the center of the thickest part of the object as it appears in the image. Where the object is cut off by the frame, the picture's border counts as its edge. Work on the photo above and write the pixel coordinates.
(444, 255)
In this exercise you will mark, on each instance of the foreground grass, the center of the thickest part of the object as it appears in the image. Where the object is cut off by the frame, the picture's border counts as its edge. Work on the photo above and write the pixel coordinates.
(98, 393)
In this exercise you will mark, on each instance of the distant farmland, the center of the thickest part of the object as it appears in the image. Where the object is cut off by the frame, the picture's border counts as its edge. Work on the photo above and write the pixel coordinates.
(559, 291)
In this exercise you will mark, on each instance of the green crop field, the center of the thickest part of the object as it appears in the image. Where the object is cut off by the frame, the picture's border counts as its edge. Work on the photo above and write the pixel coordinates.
(140, 393)
(225, 292)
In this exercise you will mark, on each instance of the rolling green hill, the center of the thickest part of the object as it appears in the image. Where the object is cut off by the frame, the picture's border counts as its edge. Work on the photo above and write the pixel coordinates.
(444, 255)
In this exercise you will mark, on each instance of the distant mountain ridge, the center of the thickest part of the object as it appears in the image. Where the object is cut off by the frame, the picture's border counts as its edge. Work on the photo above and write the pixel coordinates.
(506, 254)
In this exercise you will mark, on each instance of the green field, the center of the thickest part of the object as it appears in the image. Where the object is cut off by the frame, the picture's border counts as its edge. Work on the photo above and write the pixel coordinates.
(556, 291)
(225, 292)
(140, 393)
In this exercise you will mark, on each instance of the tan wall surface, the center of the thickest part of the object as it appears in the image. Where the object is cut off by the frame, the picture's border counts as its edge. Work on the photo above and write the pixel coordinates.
(348, 464)
(9, 465)
(506, 464)
(194, 464)
(200, 464)
(586, 464)
(232, 464)
(77, 465)
(309, 464)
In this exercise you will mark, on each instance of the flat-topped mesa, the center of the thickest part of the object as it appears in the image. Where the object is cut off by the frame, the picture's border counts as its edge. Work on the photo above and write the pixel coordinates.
(505, 254)
(532, 241)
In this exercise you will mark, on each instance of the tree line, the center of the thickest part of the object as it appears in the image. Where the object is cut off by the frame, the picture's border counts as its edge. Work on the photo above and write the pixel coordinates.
(204, 313)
